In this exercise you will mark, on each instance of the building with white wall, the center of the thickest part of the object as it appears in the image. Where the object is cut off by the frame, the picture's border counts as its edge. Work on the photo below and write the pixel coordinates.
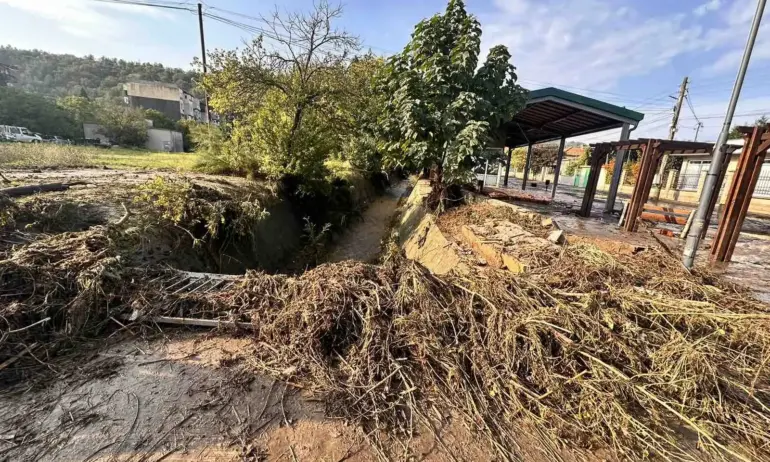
(169, 99)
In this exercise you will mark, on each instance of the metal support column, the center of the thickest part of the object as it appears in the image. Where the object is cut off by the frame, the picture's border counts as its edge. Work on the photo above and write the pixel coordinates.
(527, 165)
(715, 197)
(507, 168)
(617, 173)
(711, 187)
(557, 171)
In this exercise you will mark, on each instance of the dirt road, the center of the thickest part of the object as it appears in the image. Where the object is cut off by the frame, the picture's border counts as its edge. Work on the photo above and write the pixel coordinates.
(362, 241)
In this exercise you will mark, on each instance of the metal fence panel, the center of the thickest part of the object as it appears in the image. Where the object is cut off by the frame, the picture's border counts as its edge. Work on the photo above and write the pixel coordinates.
(688, 181)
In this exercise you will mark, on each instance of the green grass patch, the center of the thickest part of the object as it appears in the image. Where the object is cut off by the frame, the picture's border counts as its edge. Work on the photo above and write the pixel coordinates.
(48, 156)
(183, 161)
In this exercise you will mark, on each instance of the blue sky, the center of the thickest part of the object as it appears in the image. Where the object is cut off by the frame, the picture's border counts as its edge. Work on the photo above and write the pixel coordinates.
(628, 52)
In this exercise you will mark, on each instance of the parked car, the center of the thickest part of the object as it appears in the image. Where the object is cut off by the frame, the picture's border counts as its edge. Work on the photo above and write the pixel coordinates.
(20, 134)
(57, 140)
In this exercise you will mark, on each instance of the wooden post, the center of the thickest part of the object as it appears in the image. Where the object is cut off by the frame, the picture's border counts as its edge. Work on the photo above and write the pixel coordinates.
(527, 165)
(616, 183)
(596, 162)
(650, 159)
(739, 197)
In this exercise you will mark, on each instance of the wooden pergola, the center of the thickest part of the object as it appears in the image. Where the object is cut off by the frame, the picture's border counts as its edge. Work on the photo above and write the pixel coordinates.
(651, 152)
(757, 143)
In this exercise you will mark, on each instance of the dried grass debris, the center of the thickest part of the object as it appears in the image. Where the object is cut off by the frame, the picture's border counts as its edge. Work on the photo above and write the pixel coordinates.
(624, 352)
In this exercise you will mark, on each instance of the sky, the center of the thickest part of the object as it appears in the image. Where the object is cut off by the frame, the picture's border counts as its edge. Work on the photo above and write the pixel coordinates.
(627, 52)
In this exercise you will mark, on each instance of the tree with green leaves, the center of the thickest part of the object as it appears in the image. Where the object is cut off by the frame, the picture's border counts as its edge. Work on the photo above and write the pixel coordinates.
(22, 109)
(159, 119)
(58, 75)
(122, 124)
(443, 109)
(81, 110)
(283, 93)
(735, 134)
(544, 155)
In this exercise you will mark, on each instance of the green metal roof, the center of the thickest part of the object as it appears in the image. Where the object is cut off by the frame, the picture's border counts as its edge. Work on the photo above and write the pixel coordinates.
(585, 101)
(551, 113)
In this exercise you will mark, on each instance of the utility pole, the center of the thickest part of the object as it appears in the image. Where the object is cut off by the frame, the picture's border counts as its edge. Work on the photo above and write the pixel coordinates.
(672, 133)
(697, 130)
(203, 59)
(711, 185)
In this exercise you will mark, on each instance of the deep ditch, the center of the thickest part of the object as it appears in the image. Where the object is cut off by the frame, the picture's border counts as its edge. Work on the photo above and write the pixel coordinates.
(599, 354)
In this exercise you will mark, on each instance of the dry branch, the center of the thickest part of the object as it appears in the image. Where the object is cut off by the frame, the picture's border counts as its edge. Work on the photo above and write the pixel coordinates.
(19, 191)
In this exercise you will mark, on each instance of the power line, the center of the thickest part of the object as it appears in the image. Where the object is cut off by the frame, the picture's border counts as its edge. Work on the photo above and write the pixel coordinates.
(252, 28)
(157, 4)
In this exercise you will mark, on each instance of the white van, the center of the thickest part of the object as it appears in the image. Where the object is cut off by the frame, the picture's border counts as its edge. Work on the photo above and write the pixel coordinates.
(19, 134)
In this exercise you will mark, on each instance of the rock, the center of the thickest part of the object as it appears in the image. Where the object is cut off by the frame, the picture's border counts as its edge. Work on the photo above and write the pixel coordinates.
(557, 237)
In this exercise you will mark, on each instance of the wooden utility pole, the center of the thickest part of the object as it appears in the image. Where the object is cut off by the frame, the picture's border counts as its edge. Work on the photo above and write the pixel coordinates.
(672, 132)
(203, 59)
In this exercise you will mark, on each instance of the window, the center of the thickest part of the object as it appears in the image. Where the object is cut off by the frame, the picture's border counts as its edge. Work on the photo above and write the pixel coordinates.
(15, 131)
(690, 175)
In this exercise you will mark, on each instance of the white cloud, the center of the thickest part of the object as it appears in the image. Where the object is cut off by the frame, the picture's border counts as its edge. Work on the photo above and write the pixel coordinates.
(86, 18)
(712, 116)
(731, 38)
(591, 43)
(708, 7)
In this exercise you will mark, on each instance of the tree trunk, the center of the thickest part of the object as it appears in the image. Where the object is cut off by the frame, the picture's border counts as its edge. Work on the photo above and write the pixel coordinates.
(437, 196)
(294, 127)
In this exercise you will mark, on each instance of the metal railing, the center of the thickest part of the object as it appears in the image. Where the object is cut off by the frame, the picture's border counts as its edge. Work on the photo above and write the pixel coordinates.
(763, 185)
(688, 182)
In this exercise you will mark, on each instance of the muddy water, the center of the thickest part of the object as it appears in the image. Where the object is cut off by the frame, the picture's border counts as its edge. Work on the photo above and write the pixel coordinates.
(363, 240)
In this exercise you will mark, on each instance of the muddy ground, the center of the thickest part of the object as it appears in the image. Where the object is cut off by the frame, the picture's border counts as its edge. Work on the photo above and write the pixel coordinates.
(191, 396)
(182, 394)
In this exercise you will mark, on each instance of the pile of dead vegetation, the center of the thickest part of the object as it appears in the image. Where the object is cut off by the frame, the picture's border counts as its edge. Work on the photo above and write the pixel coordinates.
(627, 353)
(483, 212)
(57, 291)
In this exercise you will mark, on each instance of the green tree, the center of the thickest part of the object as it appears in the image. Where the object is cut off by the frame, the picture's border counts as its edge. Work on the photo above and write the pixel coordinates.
(443, 109)
(122, 124)
(735, 134)
(80, 109)
(22, 109)
(579, 162)
(282, 92)
(543, 156)
(159, 119)
(58, 75)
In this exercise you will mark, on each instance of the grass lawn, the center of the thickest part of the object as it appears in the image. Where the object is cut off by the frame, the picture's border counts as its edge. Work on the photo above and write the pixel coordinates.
(125, 158)
(51, 155)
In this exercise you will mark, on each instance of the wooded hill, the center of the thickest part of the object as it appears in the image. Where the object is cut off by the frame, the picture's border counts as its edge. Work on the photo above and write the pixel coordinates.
(57, 75)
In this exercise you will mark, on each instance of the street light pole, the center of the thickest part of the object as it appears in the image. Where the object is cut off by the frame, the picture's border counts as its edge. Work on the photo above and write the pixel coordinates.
(711, 187)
